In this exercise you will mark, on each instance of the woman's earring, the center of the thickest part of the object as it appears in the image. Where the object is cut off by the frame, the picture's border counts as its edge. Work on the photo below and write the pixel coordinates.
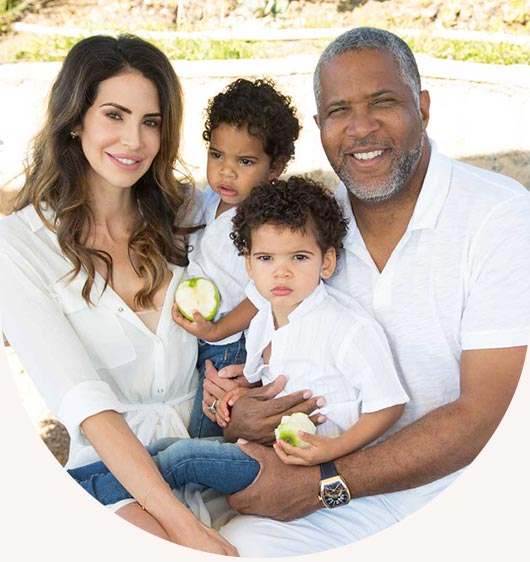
(73, 134)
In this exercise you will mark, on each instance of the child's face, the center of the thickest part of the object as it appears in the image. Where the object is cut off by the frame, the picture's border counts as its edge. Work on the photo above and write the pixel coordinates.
(236, 164)
(286, 266)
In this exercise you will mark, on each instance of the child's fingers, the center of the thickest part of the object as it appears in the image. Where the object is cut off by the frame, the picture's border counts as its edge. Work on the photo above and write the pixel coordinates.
(312, 439)
(287, 459)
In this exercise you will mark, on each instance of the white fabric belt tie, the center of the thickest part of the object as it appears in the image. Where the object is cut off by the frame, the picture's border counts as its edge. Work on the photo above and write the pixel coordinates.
(157, 419)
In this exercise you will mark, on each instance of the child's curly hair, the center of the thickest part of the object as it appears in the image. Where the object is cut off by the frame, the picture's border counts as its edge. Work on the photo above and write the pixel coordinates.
(299, 203)
(259, 106)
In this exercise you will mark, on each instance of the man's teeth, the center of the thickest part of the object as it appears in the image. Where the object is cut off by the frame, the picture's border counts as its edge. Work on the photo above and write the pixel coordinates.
(127, 161)
(367, 155)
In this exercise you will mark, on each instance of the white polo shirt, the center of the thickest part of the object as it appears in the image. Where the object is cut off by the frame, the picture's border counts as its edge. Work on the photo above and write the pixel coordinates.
(213, 255)
(87, 359)
(459, 278)
(330, 350)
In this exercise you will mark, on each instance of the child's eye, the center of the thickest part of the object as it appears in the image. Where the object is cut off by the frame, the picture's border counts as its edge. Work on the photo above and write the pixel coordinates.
(264, 258)
(214, 154)
(246, 162)
(299, 257)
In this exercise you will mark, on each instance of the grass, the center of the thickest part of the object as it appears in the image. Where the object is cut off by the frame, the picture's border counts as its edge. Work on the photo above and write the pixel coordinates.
(55, 48)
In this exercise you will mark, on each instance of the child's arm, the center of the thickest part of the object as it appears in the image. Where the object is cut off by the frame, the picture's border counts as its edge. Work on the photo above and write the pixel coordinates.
(322, 449)
(235, 321)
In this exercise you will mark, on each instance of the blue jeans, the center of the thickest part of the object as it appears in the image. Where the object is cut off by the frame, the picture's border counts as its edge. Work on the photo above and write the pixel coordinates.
(210, 462)
(220, 355)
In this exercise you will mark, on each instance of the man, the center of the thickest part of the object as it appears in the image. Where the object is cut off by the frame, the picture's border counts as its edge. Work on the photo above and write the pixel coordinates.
(439, 253)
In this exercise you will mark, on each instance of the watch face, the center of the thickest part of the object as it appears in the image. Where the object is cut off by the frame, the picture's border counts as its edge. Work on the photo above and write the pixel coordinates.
(335, 494)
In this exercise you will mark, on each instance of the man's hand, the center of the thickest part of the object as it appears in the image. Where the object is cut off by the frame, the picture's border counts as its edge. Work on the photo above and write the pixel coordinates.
(201, 328)
(256, 415)
(280, 491)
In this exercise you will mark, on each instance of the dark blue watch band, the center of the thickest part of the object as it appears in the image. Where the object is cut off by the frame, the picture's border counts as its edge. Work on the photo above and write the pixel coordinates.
(328, 470)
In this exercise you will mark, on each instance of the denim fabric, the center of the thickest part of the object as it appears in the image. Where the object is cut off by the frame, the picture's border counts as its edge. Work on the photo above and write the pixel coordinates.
(210, 462)
(221, 356)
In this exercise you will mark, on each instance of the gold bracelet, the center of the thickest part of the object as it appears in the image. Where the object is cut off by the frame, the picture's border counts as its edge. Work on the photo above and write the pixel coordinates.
(143, 504)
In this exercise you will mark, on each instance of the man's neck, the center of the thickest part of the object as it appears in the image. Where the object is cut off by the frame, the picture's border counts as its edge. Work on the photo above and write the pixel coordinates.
(382, 224)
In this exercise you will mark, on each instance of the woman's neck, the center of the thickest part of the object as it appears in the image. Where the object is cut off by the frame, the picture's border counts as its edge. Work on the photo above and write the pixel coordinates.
(114, 212)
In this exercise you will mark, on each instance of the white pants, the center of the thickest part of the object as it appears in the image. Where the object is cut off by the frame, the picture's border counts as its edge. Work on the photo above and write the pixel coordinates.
(327, 528)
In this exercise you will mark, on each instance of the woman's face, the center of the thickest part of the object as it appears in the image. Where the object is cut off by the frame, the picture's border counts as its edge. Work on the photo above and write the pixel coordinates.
(120, 134)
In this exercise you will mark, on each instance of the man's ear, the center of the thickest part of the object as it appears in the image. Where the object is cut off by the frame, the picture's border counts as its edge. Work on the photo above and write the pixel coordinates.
(277, 167)
(425, 107)
(329, 262)
(316, 120)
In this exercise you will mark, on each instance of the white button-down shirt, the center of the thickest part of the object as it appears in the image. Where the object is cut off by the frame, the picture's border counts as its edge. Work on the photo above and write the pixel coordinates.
(214, 256)
(458, 279)
(85, 359)
(329, 349)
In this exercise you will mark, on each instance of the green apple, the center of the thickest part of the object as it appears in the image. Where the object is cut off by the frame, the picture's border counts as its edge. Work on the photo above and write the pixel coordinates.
(199, 294)
(290, 426)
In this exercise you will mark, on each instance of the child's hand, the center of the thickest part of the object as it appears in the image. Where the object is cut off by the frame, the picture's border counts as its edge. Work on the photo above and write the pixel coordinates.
(321, 449)
(227, 401)
(201, 328)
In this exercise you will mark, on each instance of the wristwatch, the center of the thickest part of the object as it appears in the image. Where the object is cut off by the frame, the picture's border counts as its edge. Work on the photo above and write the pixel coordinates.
(333, 490)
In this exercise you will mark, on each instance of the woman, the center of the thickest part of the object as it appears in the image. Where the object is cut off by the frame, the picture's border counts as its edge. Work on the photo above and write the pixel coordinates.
(90, 260)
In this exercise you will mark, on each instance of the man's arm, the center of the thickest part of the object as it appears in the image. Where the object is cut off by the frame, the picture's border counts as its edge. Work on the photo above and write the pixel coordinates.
(439, 443)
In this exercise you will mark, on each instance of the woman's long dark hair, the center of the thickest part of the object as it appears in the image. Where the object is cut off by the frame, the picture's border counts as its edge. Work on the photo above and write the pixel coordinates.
(56, 169)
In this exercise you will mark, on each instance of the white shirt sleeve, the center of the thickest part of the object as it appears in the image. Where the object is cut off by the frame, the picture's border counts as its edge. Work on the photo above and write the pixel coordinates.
(497, 306)
(49, 348)
(366, 360)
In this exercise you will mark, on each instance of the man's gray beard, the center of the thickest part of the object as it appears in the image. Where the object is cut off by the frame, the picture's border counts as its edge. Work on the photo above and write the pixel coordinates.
(400, 173)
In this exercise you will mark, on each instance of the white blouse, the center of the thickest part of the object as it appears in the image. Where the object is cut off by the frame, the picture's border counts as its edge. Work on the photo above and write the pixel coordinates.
(330, 350)
(214, 256)
(86, 359)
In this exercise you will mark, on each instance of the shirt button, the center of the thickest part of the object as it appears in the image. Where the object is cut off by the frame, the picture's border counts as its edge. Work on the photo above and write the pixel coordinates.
(120, 308)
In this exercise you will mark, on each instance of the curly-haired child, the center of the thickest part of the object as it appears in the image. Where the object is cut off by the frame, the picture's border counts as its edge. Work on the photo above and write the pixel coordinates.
(290, 233)
(250, 129)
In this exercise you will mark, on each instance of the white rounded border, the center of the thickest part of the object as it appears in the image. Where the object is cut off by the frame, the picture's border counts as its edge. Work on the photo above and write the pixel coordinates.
(47, 517)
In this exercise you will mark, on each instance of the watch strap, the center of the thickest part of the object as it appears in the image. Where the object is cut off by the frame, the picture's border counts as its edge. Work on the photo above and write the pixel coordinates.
(328, 470)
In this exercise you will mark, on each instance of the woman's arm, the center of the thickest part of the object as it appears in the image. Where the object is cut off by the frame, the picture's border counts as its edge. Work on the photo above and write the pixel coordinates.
(132, 465)
(235, 321)
(321, 448)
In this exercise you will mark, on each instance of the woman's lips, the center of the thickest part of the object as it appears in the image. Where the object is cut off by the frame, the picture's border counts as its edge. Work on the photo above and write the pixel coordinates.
(125, 162)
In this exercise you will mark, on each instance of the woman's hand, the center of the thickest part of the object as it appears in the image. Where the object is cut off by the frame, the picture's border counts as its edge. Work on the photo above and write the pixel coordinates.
(194, 534)
(215, 385)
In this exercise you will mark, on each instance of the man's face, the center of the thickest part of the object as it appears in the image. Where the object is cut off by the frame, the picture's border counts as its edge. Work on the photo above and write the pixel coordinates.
(370, 126)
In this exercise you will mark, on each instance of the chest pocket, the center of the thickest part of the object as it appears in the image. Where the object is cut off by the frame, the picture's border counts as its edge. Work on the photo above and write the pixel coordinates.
(97, 327)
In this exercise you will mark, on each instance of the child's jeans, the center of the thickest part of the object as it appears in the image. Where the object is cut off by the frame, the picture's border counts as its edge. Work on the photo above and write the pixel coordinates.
(210, 462)
(220, 355)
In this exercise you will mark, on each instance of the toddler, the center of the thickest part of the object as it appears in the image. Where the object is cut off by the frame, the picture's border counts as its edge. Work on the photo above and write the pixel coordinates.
(290, 233)
(250, 129)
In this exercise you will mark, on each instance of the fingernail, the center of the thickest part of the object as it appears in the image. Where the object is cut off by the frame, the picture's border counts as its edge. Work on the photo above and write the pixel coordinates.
(242, 441)
(321, 419)
(321, 402)
(306, 394)
(221, 373)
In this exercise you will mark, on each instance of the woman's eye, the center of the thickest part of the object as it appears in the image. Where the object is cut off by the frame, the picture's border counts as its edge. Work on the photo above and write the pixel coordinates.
(152, 123)
(113, 115)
